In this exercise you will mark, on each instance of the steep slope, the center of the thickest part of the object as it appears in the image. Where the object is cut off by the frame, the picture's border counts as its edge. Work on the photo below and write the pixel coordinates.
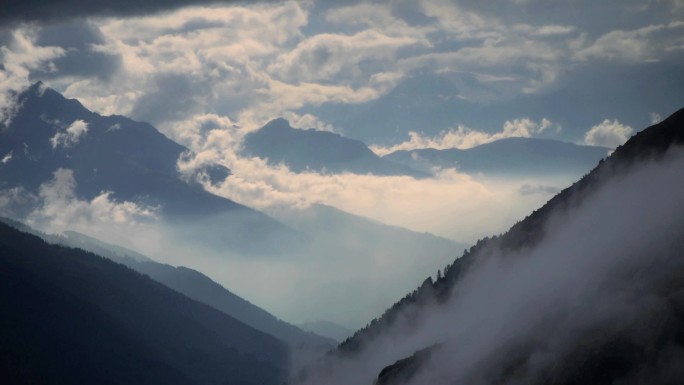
(520, 307)
(328, 329)
(201, 288)
(508, 157)
(318, 151)
(131, 160)
(70, 316)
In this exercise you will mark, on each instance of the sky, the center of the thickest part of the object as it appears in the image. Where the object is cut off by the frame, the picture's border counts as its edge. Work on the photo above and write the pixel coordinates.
(398, 74)
(336, 65)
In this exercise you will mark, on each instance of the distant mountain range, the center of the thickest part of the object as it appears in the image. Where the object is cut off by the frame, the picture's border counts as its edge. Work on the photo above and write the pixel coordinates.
(136, 163)
(567, 347)
(328, 329)
(318, 151)
(327, 152)
(201, 288)
(72, 317)
(509, 157)
(130, 159)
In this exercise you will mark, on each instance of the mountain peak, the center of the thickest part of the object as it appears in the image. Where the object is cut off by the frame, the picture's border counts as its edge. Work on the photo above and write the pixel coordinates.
(315, 150)
(277, 124)
(132, 160)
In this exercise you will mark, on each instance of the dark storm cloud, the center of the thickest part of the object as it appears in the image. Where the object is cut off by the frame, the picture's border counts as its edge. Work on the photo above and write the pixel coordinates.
(17, 11)
(81, 58)
(174, 96)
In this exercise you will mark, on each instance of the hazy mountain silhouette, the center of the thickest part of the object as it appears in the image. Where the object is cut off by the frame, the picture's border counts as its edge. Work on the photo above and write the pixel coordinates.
(327, 328)
(130, 159)
(625, 349)
(201, 288)
(70, 316)
(511, 157)
(318, 151)
(351, 233)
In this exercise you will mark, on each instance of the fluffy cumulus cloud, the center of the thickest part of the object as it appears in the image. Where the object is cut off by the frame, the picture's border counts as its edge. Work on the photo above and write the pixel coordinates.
(608, 134)
(463, 137)
(71, 135)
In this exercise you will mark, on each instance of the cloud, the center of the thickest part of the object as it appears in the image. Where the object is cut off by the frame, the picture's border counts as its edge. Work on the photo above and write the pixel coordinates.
(59, 209)
(530, 189)
(645, 44)
(515, 315)
(71, 135)
(463, 137)
(656, 118)
(331, 56)
(436, 205)
(251, 62)
(81, 58)
(51, 10)
(19, 57)
(608, 134)
(6, 158)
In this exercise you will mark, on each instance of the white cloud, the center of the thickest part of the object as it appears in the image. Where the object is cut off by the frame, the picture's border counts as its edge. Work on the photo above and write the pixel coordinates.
(327, 56)
(6, 158)
(656, 118)
(435, 205)
(18, 59)
(71, 135)
(608, 134)
(463, 137)
(644, 44)
(60, 209)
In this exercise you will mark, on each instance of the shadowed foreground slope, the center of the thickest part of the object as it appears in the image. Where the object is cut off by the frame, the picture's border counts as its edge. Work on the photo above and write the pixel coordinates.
(69, 316)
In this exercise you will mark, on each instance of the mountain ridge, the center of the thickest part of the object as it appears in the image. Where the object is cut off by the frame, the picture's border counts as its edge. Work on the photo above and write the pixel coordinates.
(508, 156)
(190, 342)
(132, 161)
(318, 151)
(651, 143)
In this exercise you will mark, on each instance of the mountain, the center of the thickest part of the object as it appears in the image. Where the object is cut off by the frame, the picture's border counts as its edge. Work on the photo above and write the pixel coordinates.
(393, 260)
(70, 316)
(201, 288)
(131, 160)
(355, 234)
(318, 151)
(510, 156)
(587, 289)
(328, 329)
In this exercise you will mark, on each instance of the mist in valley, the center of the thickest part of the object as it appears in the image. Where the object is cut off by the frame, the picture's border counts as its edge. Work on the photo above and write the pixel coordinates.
(607, 269)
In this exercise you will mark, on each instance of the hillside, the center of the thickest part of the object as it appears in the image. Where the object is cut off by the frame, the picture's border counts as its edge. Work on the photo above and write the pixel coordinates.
(201, 288)
(70, 316)
(548, 237)
(132, 161)
(508, 157)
